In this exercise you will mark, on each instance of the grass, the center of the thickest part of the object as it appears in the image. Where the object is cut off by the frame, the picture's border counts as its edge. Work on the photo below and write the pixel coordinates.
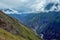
(14, 25)
(4, 35)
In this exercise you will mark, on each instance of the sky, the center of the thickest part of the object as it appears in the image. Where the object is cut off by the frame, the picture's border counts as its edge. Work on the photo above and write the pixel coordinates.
(28, 5)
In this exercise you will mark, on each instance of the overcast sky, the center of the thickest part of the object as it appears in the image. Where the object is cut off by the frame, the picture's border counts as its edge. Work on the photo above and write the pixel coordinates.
(26, 5)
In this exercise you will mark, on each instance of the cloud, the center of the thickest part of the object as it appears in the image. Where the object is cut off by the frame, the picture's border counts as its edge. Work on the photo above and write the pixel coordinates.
(15, 3)
(40, 5)
(2, 5)
(29, 5)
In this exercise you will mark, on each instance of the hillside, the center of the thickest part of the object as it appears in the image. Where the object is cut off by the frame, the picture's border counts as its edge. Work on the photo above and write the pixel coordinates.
(12, 29)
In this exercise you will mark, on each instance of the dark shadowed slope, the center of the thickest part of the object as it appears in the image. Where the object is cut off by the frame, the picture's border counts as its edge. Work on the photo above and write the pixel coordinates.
(47, 23)
(11, 29)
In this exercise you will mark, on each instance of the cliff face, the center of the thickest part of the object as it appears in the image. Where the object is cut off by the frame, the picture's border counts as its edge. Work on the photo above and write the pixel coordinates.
(12, 29)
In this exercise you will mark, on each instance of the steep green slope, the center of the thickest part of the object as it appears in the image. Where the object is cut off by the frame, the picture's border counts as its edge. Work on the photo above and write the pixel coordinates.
(15, 29)
(4, 35)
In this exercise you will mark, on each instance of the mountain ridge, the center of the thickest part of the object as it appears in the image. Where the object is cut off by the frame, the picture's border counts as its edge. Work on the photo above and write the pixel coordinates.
(42, 23)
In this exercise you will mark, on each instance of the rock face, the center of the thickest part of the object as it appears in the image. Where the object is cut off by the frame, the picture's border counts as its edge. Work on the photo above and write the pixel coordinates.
(12, 29)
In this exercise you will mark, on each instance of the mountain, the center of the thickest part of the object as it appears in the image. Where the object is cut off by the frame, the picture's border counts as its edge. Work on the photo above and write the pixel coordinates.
(46, 23)
(12, 29)
(9, 11)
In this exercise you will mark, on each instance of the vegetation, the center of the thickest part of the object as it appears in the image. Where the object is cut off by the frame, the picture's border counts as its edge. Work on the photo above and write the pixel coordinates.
(12, 29)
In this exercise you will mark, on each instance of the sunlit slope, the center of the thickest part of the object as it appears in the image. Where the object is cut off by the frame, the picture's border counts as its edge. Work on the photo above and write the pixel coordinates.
(15, 30)
(4, 35)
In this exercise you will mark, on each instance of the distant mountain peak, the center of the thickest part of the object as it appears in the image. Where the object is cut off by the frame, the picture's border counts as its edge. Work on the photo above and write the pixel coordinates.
(10, 11)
